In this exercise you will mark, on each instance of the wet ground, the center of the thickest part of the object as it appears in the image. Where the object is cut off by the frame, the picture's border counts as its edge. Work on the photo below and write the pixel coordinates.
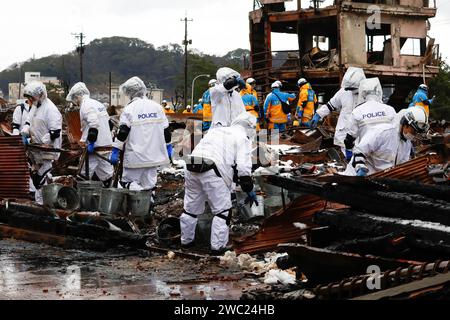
(39, 272)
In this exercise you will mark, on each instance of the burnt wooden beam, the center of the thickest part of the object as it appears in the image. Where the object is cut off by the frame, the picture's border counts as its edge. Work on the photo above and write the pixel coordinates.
(430, 191)
(57, 227)
(380, 203)
(365, 225)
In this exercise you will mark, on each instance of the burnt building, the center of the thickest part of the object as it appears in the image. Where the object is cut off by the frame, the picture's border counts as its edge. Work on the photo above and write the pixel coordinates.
(388, 38)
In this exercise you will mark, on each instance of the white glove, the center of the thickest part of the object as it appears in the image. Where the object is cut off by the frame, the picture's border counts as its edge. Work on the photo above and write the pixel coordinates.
(16, 132)
(26, 130)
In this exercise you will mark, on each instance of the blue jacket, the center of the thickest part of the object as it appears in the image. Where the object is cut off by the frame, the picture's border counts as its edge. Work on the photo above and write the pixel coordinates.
(273, 109)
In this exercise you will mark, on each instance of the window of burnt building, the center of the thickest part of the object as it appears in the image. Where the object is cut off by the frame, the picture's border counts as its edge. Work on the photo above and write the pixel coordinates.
(379, 45)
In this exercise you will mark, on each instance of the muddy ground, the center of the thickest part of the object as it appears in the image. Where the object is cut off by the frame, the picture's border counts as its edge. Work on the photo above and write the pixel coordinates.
(40, 272)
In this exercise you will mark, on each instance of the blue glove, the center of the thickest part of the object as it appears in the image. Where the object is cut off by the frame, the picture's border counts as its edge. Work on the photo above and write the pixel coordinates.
(252, 199)
(348, 155)
(91, 148)
(170, 150)
(300, 116)
(289, 117)
(315, 121)
(25, 140)
(115, 156)
(362, 172)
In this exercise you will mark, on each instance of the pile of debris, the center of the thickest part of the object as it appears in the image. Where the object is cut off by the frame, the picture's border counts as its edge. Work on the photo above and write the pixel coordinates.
(316, 234)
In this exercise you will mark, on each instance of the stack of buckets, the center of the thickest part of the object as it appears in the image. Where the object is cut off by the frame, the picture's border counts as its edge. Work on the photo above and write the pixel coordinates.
(113, 201)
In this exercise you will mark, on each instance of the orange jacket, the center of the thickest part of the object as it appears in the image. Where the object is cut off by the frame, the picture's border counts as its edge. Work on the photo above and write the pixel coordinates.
(273, 108)
(307, 103)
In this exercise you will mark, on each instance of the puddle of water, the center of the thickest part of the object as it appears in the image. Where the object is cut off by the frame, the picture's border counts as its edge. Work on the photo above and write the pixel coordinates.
(40, 273)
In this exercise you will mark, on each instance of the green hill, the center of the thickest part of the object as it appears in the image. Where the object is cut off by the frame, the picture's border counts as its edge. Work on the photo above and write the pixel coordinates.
(127, 57)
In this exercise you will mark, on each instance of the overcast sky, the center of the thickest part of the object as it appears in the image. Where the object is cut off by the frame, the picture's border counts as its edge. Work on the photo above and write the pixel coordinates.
(43, 27)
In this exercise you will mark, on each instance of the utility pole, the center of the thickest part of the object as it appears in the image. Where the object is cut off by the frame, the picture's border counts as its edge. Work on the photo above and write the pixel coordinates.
(80, 50)
(110, 88)
(186, 42)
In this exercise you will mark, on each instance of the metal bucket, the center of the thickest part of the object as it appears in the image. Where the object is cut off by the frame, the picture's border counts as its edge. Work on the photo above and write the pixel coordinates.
(57, 196)
(139, 203)
(253, 212)
(89, 192)
(113, 201)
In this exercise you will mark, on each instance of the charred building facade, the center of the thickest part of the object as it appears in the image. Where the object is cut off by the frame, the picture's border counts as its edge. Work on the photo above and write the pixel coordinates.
(387, 38)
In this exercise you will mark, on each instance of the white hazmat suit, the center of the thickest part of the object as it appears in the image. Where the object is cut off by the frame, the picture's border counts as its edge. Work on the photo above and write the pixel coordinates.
(344, 102)
(20, 117)
(143, 123)
(44, 125)
(95, 129)
(228, 153)
(385, 145)
(371, 111)
(226, 104)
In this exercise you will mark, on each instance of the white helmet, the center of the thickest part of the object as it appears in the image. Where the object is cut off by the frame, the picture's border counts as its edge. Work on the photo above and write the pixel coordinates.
(276, 84)
(200, 100)
(417, 118)
(424, 87)
(251, 81)
(78, 90)
(35, 89)
(212, 83)
(188, 107)
(134, 87)
(164, 102)
(302, 82)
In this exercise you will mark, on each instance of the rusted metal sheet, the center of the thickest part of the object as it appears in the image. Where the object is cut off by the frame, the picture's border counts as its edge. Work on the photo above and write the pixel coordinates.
(414, 170)
(14, 172)
(280, 228)
(73, 122)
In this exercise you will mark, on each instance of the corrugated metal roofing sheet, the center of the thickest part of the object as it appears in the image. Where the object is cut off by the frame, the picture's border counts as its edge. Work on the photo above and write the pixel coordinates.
(14, 172)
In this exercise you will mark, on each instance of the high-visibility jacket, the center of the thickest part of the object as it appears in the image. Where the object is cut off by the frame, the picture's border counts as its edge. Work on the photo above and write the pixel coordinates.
(307, 103)
(250, 90)
(273, 108)
(421, 100)
(250, 101)
(207, 109)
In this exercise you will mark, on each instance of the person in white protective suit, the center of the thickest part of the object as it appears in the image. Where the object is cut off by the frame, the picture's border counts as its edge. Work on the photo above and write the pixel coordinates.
(343, 102)
(95, 131)
(20, 116)
(370, 112)
(222, 158)
(44, 126)
(226, 102)
(145, 130)
(388, 145)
